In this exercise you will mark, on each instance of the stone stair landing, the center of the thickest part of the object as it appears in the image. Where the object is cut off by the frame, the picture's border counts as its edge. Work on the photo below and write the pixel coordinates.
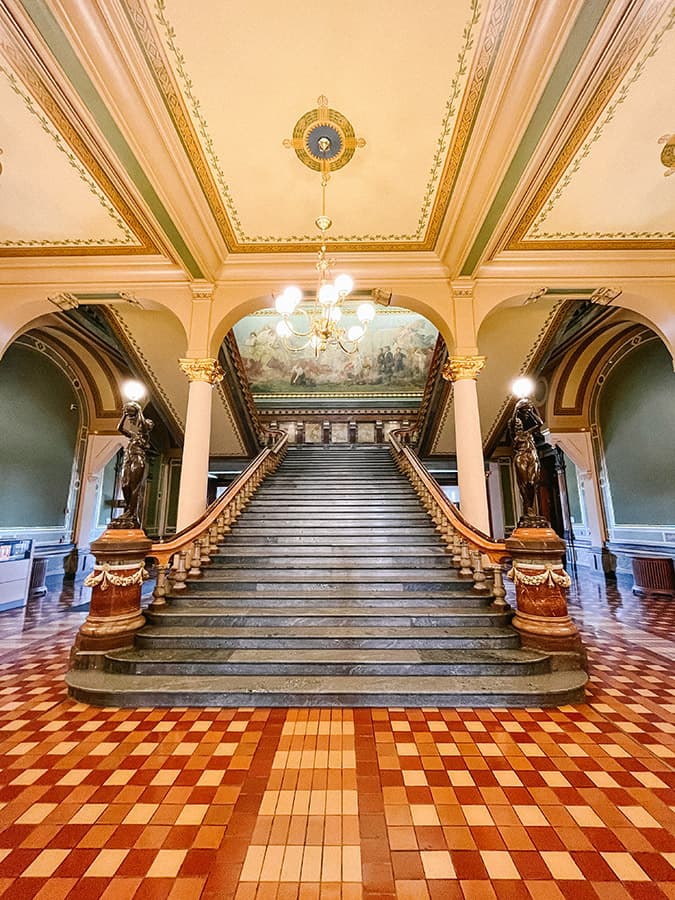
(333, 588)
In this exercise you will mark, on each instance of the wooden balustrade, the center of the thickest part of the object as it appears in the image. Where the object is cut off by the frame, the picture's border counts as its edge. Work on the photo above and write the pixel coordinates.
(188, 552)
(473, 553)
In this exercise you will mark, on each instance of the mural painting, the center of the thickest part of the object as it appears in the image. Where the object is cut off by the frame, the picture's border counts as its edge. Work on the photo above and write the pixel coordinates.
(392, 358)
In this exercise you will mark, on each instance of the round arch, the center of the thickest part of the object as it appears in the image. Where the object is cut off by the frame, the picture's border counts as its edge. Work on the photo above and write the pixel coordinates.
(245, 307)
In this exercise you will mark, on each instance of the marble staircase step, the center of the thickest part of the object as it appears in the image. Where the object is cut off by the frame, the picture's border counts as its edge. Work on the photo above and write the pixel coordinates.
(347, 596)
(271, 537)
(335, 637)
(281, 560)
(394, 533)
(328, 662)
(265, 617)
(539, 690)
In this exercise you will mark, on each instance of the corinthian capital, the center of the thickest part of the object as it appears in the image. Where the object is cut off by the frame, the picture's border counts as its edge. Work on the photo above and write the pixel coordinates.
(459, 368)
(207, 369)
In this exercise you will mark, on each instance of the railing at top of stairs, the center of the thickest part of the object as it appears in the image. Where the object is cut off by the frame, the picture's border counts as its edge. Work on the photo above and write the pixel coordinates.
(187, 552)
(472, 551)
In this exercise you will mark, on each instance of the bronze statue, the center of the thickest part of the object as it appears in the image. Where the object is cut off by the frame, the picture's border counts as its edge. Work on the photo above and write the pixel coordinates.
(137, 428)
(523, 425)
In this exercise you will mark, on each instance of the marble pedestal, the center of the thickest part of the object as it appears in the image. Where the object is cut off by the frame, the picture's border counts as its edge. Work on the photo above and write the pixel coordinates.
(541, 584)
(115, 610)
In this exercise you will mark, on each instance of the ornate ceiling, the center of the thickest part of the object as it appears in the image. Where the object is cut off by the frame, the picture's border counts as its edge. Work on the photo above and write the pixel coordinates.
(156, 128)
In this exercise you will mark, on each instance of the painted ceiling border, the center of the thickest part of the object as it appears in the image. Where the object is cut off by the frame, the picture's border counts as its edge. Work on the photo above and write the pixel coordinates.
(599, 105)
(24, 79)
(582, 31)
(46, 24)
(143, 26)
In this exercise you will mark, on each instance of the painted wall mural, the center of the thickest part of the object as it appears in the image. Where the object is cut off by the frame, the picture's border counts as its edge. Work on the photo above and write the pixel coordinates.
(392, 360)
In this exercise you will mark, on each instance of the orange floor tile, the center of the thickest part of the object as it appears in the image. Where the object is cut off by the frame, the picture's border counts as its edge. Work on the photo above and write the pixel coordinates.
(417, 804)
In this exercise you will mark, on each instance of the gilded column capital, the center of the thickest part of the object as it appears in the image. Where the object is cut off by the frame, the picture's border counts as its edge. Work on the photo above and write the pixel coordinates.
(459, 368)
(207, 369)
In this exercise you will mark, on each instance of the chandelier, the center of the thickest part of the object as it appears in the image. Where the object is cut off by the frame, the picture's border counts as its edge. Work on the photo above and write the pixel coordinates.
(323, 140)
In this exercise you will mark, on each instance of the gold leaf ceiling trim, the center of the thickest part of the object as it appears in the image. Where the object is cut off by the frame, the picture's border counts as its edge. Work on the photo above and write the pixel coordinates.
(54, 120)
(204, 161)
(580, 141)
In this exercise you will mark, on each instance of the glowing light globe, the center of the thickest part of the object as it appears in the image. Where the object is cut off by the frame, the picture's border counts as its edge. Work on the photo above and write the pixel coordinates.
(344, 284)
(366, 312)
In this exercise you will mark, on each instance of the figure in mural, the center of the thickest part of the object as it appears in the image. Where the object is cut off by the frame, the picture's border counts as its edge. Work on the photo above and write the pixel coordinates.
(523, 425)
(137, 428)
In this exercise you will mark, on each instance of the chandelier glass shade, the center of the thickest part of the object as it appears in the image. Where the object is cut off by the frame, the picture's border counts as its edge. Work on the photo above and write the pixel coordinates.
(321, 324)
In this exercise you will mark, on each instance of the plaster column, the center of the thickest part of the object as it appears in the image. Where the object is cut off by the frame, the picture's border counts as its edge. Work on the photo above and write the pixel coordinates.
(463, 371)
(194, 473)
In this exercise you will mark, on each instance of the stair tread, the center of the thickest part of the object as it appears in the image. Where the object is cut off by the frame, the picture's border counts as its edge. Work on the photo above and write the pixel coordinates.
(526, 690)
(393, 612)
(345, 631)
(326, 656)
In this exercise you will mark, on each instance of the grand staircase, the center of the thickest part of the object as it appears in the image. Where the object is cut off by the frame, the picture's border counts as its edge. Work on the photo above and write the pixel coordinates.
(333, 588)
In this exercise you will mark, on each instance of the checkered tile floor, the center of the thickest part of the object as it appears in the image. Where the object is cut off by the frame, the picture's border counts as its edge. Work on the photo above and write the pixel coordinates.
(416, 804)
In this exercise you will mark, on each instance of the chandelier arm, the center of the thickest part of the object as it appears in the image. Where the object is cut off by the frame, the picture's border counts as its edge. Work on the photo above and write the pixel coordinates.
(342, 347)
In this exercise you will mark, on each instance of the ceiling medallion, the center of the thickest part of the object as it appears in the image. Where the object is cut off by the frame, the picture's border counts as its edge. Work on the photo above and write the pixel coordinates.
(324, 136)
(323, 141)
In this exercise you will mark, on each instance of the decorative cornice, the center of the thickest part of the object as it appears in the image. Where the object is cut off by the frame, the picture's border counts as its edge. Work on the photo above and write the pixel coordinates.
(206, 369)
(202, 290)
(462, 368)
(64, 301)
(463, 290)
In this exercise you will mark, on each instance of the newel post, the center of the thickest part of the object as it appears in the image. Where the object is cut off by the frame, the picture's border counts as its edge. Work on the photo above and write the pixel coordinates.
(541, 584)
(116, 584)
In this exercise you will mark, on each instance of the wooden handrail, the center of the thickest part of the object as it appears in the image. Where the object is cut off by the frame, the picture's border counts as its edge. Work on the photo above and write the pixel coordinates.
(431, 493)
(257, 468)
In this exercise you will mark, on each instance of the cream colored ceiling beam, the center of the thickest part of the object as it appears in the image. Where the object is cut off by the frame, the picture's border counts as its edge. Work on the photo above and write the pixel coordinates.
(536, 34)
(99, 32)
(597, 59)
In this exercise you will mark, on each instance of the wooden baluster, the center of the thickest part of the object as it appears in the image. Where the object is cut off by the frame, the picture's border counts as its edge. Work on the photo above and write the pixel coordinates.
(160, 591)
(179, 575)
(498, 589)
(214, 539)
(457, 551)
(479, 577)
(204, 555)
(195, 561)
(465, 561)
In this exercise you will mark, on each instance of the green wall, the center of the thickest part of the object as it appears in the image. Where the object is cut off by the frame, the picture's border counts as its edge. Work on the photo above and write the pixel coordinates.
(37, 440)
(637, 422)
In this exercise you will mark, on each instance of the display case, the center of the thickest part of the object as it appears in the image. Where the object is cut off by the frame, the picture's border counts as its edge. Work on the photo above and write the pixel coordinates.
(15, 564)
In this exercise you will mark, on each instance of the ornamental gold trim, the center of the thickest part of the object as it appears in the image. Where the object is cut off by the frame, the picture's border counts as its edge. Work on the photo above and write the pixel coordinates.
(461, 110)
(587, 130)
(462, 368)
(206, 369)
(25, 80)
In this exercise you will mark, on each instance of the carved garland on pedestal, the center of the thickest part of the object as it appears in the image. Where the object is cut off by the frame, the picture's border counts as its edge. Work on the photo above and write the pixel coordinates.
(553, 576)
(104, 575)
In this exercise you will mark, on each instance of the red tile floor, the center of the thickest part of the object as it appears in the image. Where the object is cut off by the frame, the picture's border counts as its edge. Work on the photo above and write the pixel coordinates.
(417, 804)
